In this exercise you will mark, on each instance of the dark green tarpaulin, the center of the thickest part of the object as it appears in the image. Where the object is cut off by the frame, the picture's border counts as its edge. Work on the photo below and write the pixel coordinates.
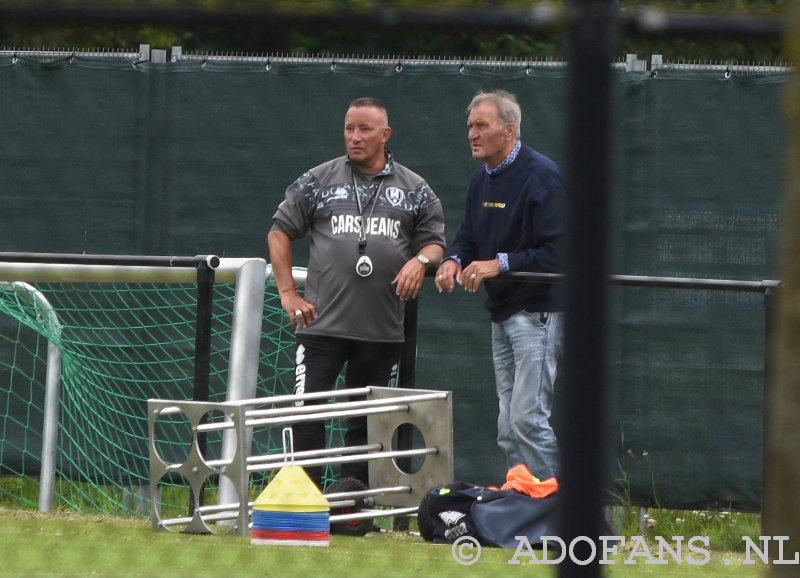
(115, 157)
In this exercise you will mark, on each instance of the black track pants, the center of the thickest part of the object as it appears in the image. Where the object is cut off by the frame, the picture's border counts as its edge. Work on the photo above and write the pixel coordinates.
(318, 362)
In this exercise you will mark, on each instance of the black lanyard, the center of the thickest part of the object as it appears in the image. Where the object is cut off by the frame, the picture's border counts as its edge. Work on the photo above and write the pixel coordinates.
(362, 232)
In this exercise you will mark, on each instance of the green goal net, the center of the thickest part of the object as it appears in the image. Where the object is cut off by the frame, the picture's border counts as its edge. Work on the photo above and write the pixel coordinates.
(120, 344)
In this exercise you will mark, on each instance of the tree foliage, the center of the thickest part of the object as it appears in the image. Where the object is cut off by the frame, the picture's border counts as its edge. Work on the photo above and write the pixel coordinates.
(316, 27)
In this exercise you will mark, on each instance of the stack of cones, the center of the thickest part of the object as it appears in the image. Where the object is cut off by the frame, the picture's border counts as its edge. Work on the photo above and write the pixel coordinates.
(291, 511)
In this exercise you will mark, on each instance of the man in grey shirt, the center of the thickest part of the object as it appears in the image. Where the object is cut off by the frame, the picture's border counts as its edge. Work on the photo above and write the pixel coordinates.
(376, 227)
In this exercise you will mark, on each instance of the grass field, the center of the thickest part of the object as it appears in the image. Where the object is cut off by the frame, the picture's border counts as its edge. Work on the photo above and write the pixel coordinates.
(34, 544)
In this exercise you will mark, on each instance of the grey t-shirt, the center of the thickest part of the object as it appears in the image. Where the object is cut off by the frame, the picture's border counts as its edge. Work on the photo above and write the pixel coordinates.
(402, 214)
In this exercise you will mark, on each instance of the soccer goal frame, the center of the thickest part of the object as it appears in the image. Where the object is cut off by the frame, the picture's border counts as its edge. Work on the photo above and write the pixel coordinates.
(18, 272)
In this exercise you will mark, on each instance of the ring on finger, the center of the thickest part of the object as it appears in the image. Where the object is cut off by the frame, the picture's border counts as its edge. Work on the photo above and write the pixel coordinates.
(473, 276)
(298, 313)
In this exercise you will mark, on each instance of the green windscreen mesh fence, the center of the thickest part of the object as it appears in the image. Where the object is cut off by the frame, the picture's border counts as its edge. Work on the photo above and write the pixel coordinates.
(111, 156)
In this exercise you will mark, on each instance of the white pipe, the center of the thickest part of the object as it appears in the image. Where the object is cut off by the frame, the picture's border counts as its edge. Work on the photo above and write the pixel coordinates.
(52, 395)
(248, 313)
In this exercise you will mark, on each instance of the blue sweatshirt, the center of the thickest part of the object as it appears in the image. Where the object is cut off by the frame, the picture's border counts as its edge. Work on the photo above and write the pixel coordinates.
(517, 210)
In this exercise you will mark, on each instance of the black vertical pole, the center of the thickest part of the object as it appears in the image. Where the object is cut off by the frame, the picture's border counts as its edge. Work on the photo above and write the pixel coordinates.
(407, 379)
(408, 358)
(408, 376)
(770, 304)
(202, 347)
(583, 477)
(202, 344)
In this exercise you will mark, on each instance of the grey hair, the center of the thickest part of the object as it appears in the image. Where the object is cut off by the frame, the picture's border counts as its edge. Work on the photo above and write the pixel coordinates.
(508, 109)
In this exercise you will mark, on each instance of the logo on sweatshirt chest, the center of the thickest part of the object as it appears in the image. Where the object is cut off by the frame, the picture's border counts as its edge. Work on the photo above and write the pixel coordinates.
(375, 226)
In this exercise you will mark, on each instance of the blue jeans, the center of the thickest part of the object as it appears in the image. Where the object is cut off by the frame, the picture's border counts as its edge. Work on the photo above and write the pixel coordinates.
(525, 352)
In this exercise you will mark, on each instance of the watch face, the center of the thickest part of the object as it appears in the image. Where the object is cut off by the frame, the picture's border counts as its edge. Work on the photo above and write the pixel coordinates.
(423, 259)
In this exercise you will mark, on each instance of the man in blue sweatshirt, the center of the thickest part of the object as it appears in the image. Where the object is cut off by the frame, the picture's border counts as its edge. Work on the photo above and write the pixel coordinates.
(514, 222)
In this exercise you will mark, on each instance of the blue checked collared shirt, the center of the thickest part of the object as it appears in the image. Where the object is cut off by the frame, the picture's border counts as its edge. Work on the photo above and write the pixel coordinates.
(512, 156)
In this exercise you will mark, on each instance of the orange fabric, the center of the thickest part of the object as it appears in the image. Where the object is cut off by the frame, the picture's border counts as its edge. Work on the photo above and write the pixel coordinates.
(520, 478)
